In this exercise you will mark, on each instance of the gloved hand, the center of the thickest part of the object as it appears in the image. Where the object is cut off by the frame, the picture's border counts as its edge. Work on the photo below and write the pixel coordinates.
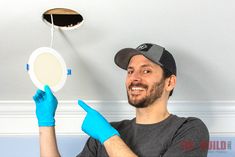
(46, 104)
(96, 125)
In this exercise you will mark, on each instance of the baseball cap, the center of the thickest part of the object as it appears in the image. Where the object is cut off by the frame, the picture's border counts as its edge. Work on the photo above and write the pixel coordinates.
(153, 52)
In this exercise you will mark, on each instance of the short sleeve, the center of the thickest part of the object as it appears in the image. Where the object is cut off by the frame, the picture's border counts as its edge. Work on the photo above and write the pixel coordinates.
(191, 140)
(89, 149)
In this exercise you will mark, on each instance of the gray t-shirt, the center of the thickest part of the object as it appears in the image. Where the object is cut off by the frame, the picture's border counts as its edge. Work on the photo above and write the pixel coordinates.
(172, 137)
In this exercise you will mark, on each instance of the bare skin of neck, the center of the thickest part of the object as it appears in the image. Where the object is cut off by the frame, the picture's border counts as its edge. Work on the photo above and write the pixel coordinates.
(154, 113)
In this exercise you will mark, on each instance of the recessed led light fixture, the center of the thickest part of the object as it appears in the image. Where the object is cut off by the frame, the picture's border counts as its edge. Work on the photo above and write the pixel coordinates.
(63, 18)
(47, 67)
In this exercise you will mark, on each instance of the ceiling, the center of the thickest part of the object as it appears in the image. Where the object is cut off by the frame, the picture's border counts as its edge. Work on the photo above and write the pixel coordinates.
(200, 34)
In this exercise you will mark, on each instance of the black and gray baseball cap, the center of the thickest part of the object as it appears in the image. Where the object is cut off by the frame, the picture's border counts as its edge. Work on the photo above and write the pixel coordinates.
(153, 52)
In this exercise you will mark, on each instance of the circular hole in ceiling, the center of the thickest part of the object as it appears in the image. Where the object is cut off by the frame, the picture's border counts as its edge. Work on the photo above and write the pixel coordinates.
(63, 18)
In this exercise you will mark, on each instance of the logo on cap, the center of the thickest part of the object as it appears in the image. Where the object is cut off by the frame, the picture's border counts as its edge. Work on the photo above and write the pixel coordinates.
(144, 47)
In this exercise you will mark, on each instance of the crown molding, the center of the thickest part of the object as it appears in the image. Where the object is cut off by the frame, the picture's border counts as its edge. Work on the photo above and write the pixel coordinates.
(18, 117)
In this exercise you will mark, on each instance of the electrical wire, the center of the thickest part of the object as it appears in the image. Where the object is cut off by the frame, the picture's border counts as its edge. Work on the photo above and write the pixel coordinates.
(52, 31)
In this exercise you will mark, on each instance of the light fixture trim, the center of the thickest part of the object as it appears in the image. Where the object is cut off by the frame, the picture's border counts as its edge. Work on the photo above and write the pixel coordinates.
(31, 70)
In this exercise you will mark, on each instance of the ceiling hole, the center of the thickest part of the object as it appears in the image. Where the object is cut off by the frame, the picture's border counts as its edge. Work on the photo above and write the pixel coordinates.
(63, 18)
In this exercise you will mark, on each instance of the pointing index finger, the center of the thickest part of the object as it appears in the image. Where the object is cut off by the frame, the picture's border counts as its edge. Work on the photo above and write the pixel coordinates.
(84, 106)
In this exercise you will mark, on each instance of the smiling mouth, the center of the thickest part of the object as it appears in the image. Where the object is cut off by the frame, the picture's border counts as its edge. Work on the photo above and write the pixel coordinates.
(136, 90)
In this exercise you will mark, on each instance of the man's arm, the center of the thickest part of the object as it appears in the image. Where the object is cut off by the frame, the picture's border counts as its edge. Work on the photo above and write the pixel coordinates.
(99, 128)
(46, 104)
(48, 146)
(116, 147)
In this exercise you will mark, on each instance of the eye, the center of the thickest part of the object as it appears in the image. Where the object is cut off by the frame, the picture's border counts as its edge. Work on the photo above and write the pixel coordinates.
(129, 72)
(146, 71)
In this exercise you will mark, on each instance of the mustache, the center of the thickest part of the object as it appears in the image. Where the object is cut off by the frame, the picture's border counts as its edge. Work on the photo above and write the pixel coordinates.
(137, 85)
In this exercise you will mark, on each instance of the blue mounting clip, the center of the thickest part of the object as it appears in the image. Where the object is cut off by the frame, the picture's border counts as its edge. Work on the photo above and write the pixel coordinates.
(69, 72)
(27, 67)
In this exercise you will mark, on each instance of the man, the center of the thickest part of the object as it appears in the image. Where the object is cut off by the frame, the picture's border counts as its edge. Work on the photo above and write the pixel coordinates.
(154, 132)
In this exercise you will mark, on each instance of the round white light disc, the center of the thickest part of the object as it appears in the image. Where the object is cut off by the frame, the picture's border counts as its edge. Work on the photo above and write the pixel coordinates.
(47, 67)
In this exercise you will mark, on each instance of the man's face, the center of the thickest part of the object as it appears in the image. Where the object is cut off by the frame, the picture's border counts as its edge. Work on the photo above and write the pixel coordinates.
(144, 82)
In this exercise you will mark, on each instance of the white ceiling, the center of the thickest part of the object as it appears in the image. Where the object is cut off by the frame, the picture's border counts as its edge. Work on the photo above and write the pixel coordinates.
(199, 33)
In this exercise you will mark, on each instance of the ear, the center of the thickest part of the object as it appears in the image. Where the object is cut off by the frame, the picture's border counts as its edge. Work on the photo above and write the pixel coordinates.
(170, 83)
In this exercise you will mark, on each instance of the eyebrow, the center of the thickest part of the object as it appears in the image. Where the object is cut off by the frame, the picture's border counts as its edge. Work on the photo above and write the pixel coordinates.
(142, 66)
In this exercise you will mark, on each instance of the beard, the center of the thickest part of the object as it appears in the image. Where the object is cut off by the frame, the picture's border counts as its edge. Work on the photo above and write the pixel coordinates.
(156, 91)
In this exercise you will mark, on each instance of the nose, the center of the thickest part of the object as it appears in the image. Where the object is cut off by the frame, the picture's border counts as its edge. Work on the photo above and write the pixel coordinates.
(135, 77)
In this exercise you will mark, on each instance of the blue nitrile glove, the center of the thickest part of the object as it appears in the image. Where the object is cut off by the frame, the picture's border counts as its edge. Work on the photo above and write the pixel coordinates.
(96, 125)
(46, 104)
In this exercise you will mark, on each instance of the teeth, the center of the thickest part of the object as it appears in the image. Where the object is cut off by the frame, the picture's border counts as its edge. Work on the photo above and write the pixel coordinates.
(137, 88)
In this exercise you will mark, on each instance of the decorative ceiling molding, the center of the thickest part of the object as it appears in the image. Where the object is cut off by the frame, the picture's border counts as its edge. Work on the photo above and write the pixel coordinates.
(18, 117)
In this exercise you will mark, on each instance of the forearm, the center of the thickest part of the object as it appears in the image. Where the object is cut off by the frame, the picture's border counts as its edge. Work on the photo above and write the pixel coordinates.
(116, 147)
(48, 145)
